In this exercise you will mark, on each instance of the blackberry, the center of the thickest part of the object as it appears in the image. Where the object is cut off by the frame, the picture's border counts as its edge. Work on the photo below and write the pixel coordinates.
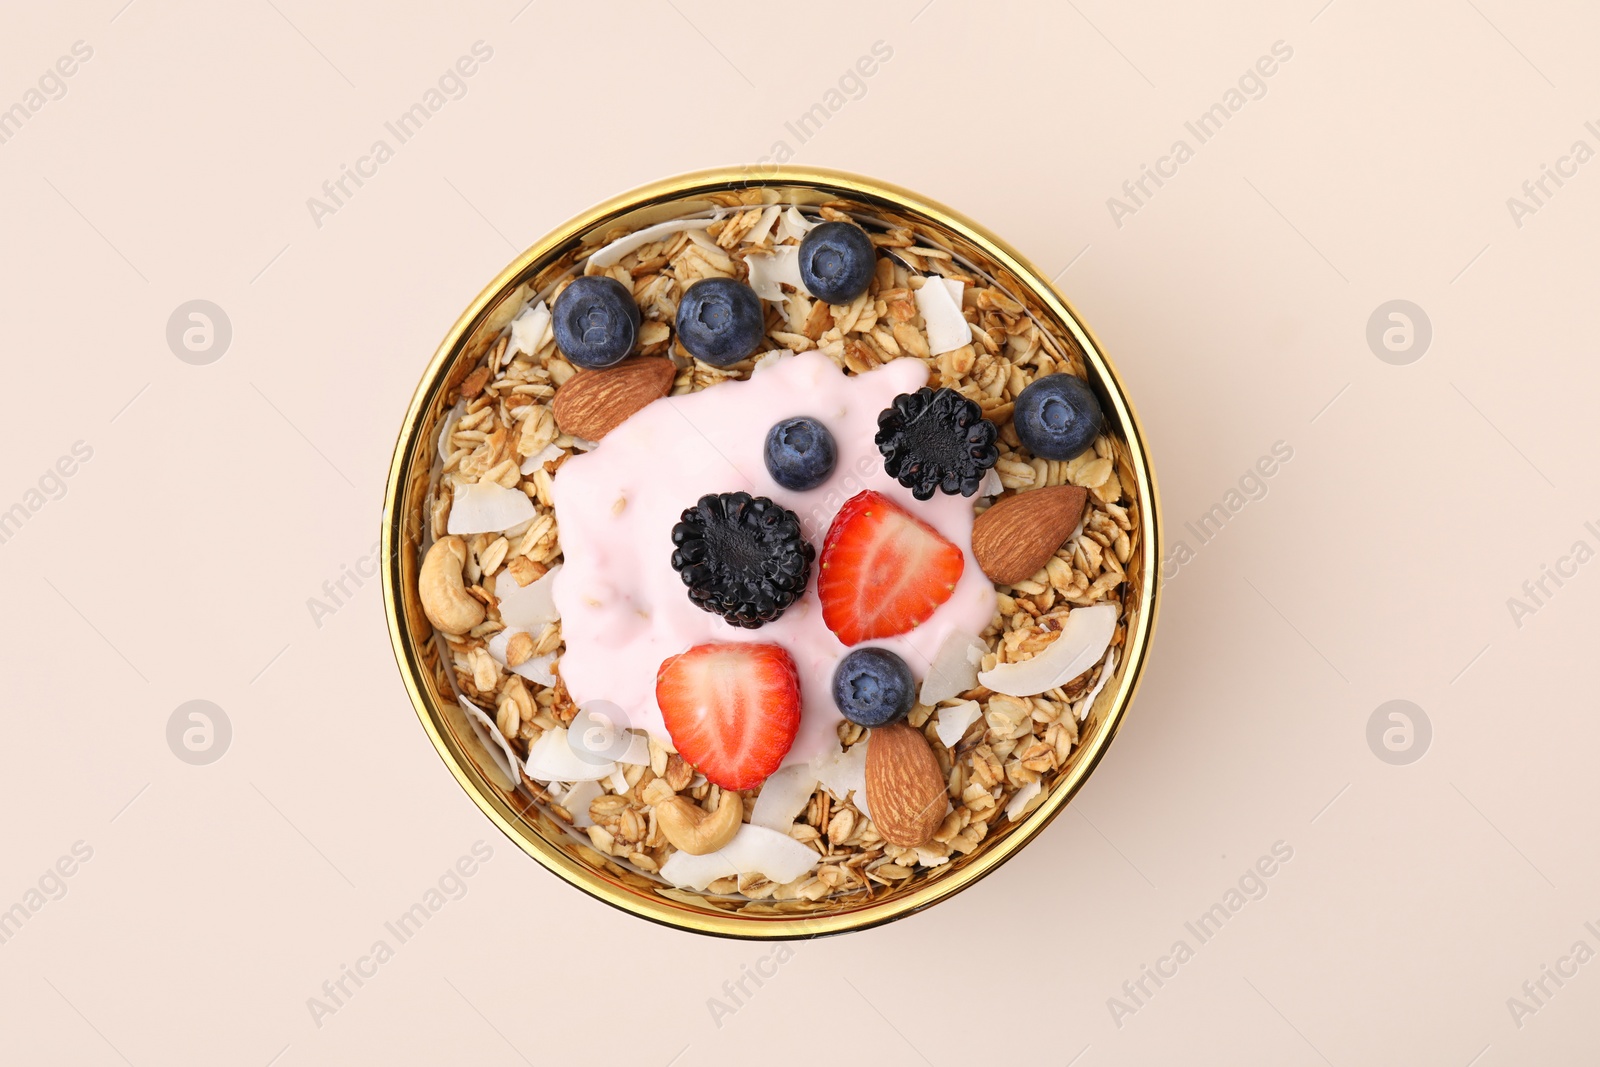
(936, 439)
(742, 557)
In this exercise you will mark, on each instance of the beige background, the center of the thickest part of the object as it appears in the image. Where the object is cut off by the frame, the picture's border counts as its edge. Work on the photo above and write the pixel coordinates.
(219, 498)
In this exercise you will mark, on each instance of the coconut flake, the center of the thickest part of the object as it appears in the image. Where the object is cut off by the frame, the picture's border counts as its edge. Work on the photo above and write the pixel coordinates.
(941, 312)
(954, 668)
(611, 254)
(487, 507)
(451, 417)
(767, 271)
(618, 781)
(954, 720)
(493, 740)
(638, 753)
(528, 330)
(583, 444)
(530, 606)
(500, 641)
(1020, 799)
(1083, 641)
(551, 759)
(544, 455)
(784, 795)
(793, 224)
(594, 740)
(763, 226)
(753, 850)
(841, 773)
(577, 800)
(1100, 683)
(991, 484)
(536, 669)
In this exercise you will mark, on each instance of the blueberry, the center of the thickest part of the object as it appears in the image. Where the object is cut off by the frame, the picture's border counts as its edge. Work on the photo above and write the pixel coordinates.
(596, 321)
(873, 687)
(720, 321)
(837, 261)
(800, 453)
(1058, 416)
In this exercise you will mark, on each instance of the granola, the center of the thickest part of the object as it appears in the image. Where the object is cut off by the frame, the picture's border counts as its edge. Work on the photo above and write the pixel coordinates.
(998, 753)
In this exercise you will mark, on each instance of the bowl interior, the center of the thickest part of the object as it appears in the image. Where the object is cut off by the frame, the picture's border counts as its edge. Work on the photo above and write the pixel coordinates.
(518, 811)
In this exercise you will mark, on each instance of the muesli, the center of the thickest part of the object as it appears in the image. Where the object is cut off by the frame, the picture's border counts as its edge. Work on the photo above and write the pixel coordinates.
(779, 551)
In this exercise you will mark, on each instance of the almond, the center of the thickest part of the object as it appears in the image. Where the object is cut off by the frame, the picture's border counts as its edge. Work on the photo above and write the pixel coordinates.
(905, 787)
(592, 403)
(1017, 536)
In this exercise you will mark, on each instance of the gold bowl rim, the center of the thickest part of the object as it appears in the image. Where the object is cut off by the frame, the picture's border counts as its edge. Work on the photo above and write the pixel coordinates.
(1142, 612)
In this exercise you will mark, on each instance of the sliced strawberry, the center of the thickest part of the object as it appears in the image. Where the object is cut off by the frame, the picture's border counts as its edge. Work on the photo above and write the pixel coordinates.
(731, 710)
(883, 570)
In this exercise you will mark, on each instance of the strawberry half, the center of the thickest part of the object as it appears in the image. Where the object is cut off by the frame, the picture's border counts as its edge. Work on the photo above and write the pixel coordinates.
(883, 570)
(731, 710)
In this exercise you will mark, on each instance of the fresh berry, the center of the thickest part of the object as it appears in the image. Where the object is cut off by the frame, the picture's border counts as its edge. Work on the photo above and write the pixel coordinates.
(800, 453)
(884, 571)
(742, 557)
(1058, 416)
(837, 261)
(720, 321)
(731, 710)
(596, 321)
(873, 687)
(936, 439)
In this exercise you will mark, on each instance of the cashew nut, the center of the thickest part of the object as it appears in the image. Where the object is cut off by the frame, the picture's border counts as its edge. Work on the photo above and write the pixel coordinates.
(695, 830)
(444, 595)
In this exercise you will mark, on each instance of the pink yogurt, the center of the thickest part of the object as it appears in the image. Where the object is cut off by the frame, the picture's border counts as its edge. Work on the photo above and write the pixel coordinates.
(624, 609)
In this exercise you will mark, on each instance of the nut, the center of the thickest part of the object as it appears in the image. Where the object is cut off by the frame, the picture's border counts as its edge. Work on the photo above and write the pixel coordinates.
(594, 402)
(905, 787)
(1015, 538)
(445, 599)
(696, 831)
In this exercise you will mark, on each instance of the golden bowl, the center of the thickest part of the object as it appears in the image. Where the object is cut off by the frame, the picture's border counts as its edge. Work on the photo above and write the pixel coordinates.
(516, 812)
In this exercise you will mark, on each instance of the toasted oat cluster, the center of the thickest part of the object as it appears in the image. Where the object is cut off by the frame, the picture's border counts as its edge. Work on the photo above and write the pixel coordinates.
(504, 432)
